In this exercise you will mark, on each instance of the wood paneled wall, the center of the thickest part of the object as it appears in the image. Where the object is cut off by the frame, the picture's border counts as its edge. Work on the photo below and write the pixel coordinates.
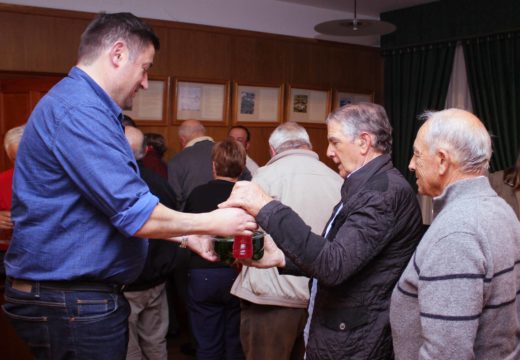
(45, 41)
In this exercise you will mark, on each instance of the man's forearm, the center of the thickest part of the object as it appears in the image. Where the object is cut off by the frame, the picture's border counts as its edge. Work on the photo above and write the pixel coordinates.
(165, 223)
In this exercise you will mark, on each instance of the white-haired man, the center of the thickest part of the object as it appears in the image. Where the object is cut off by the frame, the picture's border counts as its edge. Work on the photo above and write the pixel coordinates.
(458, 297)
(274, 312)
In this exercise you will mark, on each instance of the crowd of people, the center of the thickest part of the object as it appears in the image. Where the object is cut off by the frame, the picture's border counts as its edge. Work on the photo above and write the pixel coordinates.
(100, 223)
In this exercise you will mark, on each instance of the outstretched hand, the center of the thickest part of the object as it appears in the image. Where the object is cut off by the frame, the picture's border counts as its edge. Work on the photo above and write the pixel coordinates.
(248, 196)
(273, 256)
(202, 245)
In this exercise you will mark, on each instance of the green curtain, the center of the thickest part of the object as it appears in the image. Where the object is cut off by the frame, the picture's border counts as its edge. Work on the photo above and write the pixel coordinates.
(416, 80)
(493, 66)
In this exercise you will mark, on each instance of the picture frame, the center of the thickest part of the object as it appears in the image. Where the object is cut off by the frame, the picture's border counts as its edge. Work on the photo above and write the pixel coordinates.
(344, 97)
(257, 103)
(150, 106)
(203, 100)
(309, 105)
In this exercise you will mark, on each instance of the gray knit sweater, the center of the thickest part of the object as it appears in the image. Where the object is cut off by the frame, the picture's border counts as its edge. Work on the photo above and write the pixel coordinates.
(459, 297)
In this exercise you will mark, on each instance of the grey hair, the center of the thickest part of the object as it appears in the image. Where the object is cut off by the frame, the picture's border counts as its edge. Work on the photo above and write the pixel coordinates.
(13, 136)
(365, 117)
(288, 136)
(454, 130)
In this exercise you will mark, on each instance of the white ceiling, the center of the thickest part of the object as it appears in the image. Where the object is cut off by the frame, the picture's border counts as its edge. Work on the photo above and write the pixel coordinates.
(285, 17)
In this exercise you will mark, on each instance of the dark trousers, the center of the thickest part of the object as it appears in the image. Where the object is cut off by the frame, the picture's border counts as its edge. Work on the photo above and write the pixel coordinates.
(60, 323)
(214, 313)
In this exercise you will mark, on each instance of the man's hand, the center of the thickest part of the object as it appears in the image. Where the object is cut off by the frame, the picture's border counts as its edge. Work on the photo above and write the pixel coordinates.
(202, 245)
(5, 220)
(248, 196)
(232, 221)
(273, 256)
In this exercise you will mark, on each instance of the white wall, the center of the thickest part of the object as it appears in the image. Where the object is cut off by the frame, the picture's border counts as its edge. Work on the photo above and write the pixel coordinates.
(270, 16)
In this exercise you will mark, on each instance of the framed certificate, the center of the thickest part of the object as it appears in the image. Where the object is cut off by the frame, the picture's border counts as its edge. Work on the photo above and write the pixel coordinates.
(203, 100)
(308, 105)
(342, 98)
(257, 104)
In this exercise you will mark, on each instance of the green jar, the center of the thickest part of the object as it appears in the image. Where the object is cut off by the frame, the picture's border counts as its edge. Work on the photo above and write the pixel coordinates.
(224, 247)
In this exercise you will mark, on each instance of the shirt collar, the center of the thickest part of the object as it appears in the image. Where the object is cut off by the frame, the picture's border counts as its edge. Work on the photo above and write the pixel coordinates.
(199, 139)
(363, 174)
(467, 188)
(300, 152)
(77, 73)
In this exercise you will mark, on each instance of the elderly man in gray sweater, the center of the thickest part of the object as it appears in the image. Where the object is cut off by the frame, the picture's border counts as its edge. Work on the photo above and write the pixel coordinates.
(458, 298)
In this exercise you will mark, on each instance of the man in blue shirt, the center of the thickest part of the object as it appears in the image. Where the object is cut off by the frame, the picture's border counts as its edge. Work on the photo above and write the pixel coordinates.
(80, 206)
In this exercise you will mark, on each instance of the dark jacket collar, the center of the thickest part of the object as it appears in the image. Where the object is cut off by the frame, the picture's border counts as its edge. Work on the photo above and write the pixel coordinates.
(355, 181)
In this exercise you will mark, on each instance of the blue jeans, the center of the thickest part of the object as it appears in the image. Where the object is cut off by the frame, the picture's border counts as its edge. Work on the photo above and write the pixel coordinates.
(214, 314)
(66, 324)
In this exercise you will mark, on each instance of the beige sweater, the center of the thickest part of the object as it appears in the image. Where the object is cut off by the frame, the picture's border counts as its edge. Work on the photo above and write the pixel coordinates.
(298, 179)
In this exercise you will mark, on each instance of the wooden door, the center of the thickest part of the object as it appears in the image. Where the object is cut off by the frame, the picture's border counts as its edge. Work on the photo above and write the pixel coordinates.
(19, 94)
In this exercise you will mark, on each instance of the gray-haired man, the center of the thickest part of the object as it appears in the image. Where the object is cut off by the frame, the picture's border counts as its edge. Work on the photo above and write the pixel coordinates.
(366, 244)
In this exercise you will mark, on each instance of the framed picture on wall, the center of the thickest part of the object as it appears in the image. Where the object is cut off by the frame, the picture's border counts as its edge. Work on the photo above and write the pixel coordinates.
(257, 104)
(203, 100)
(308, 105)
(150, 106)
(342, 98)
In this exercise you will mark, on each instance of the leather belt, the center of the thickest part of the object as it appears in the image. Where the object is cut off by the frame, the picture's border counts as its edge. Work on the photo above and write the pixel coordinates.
(28, 285)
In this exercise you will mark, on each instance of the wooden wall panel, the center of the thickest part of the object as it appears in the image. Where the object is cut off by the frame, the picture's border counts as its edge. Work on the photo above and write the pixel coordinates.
(39, 43)
(199, 54)
(46, 40)
(258, 60)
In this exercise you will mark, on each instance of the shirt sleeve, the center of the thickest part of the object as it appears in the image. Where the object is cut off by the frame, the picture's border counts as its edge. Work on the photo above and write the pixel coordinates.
(451, 295)
(91, 147)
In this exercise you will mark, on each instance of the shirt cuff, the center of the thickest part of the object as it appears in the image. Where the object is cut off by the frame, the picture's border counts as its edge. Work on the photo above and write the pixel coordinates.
(133, 218)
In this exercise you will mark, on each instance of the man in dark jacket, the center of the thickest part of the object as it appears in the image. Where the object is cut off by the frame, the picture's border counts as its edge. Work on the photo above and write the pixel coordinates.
(365, 246)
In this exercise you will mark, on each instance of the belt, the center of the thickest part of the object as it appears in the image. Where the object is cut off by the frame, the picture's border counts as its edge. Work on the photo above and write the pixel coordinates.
(27, 285)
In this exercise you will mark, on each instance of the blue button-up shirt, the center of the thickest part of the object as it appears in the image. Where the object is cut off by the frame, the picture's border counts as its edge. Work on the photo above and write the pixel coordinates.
(77, 194)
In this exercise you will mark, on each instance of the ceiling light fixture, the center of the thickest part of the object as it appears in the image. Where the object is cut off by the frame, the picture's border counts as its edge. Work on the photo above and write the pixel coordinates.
(355, 27)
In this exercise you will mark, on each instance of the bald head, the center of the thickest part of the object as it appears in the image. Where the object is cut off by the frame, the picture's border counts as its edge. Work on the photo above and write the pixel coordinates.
(189, 130)
(135, 138)
(12, 140)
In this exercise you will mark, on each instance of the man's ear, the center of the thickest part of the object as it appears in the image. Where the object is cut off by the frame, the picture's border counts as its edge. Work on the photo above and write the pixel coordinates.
(365, 142)
(118, 53)
(444, 161)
